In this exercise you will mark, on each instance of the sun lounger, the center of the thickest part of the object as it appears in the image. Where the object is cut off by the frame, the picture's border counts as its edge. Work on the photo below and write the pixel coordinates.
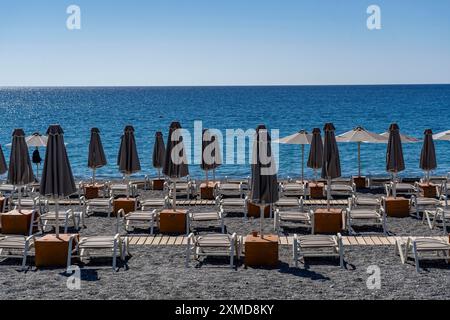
(299, 217)
(232, 204)
(423, 249)
(231, 190)
(49, 219)
(147, 218)
(85, 247)
(317, 246)
(420, 204)
(143, 184)
(439, 217)
(7, 188)
(100, 205)
(155, 203)
(16, 247)
(293, 203)
(33, 203)
(375, 216)
(202, 217)
(376, 182)
(296, 189)
(364, 201)
(116, 189)
(340, 189)
(187, 189)
(443, 192)
(401, 189)
(213, 245)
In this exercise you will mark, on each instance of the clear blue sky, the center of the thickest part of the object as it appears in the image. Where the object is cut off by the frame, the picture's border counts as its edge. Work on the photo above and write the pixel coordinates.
(223, 42)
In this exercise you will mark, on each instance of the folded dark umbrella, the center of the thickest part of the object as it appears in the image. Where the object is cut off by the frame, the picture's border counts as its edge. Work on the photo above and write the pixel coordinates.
(128, 158)
(96, 155)
(20, 171)
(3, 165)
(36, 157)
(264, 184)
(315, 157)
(428, 154)
(175, 162)
(394, 154)
(57, 179)
(159, 151)
(331, 165)
(210, 153)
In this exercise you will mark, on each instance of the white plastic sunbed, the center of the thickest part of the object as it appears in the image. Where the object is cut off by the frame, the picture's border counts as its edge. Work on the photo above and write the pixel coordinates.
(423, 249)
(213, 245)
(317, 246)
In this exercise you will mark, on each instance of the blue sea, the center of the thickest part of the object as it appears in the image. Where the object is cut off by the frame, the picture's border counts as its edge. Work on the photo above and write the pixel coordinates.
(287, 108)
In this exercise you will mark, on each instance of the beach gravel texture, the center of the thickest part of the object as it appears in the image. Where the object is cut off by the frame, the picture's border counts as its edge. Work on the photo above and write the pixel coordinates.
(158, 272)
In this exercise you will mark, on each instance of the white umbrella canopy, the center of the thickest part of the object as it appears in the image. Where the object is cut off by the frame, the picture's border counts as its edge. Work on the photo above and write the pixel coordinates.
(443, 136)
(301, 138)
(35, 140)
(404, 138)
(360, 135)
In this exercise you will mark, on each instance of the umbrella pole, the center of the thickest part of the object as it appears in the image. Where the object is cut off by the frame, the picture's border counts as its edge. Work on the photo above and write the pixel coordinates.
(174, 201)
(261, 218)
(394, 191)
(303, 160)
(206, 174)
(159, 173)
(214, 175)
(93, 176)
(328, 193)
(128, 189)
(359, 159)
(57, 217)
(37, 171)
(19, 196)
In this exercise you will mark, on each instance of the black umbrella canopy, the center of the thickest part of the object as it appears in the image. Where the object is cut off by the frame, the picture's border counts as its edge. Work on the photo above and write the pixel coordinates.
(264, 172)
(428, 155)
(315, 157)
(36, 157)
(128, 159)
(210, 151)
(175, 162)
(20, 171)
(394, 153)
(57, 179)
(96, 155)
(159, 151)
(3, 165)
(331, 164)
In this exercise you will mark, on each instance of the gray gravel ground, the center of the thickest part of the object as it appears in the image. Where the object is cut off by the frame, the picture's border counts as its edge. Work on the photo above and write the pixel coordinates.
(158, 272)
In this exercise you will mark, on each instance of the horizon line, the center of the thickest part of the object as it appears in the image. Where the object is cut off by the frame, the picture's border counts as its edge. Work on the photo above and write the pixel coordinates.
(221, 85)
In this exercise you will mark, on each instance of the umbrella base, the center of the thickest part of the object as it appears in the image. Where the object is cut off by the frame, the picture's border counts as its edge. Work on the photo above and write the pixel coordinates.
(172, 221)
(261, 252)
(2, 204)
(360, 182)
(253, 210)
(15, 222)
(328, 221)
(158, 184)
(51, 251)
(428, 190)
(92, 191)
(207, 190)
(397, 207)
(316, 190)
(128, 205)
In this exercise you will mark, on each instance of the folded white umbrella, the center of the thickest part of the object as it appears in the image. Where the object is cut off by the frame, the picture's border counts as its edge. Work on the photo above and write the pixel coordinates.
(301, 138)
(360, 135)
(404, 138)
(443, 136)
